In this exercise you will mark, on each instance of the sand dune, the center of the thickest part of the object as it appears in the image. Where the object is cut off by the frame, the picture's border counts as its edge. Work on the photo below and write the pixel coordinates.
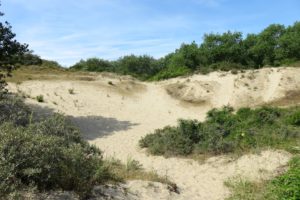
(115, 112)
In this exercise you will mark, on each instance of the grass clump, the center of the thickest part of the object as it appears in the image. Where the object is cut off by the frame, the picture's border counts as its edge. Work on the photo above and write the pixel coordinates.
(71, 91)
(40, 98)
(110, 83)
(224, 131)
(133, 170)
(285, 186)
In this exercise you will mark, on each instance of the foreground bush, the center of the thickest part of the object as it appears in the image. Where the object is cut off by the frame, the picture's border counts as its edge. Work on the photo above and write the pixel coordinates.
(39, 157)
(45, 155)
(45, 162)
(13, 109)
(225, 131)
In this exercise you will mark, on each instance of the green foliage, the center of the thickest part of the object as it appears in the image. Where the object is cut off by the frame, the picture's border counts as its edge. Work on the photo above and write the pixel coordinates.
(33, 157)
(40, 98)
(285, 186)
(71, 91)
(294, 118)
(171, 72)
(46, 155)
(222, 48)
(50, 64)
(225, 131)
(141, 67)
(94, 64)
(289, 44)
(57, 125)
(31, 59)
(275, 45)
(11, 51)
(13, 110)
(138, 66)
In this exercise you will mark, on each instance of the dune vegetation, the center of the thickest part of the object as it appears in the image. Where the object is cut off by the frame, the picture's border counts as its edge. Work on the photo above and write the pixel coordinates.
(285, 186)
(225, 131)
(46, 154)
(276, 45)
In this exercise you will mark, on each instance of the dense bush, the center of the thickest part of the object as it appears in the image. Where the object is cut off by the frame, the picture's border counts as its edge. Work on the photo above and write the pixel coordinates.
(47, 162)
(142, 67)
(94, 64)
(275, 45)
(294, 118)
(12, 109)
(46, 154)
(225, 131)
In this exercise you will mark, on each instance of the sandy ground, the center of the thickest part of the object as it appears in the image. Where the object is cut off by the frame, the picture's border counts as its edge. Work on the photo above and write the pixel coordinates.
(114, 112)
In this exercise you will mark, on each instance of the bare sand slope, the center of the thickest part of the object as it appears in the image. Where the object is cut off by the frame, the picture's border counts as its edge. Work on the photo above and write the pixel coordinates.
(115, 112)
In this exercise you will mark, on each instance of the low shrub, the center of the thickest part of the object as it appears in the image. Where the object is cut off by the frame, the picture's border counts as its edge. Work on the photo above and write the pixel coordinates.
(40, 98)
(71, 91)
(171, 72)
(294, 118)
(224, 131)
(48, 154)
(38, 157)
(172, 140)
(57, 125)
(13, 109)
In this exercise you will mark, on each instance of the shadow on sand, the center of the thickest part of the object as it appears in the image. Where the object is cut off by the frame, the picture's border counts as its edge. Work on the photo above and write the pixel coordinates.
(91, 127)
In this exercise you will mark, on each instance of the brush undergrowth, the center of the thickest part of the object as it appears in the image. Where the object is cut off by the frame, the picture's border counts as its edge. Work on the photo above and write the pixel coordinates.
(225, 131)
(39, 155)
(47, 155)
(284, 187)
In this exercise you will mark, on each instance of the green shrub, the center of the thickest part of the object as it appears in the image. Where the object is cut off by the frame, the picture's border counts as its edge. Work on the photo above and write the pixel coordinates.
(33, 157)
(40, 98)
(171, 72)
(71, 91)
(225, 131)
(226, 51)
(57, 125)
(294, 118)
(172, 140)
(226, 66)
(47, 155)
(13, 109)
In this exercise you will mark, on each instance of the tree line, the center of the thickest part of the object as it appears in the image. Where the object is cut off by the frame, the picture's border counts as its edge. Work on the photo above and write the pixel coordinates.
(274, 46)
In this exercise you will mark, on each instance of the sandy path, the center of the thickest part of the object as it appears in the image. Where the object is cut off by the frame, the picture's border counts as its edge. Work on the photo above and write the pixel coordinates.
(114, 119)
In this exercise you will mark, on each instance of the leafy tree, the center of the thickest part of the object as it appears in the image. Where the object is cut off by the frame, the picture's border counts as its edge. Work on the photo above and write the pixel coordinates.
(94, 64)
(10, 53)
(186, 56)
(251, 57)
(289, 44)
(140, 66)
(267, 43)
(222, 48)
(274, 46)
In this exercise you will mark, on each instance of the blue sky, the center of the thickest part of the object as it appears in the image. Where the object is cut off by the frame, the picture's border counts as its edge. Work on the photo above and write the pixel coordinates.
(70, 30)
